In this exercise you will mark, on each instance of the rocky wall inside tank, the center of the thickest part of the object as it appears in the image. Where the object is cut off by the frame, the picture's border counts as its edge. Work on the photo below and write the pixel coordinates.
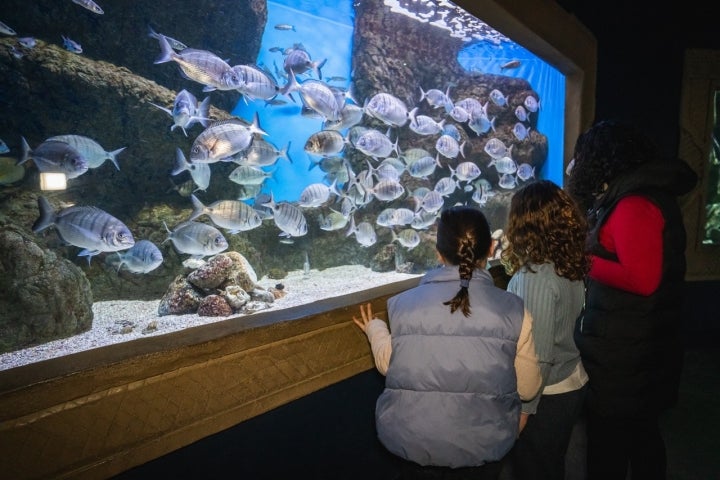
(403, 130)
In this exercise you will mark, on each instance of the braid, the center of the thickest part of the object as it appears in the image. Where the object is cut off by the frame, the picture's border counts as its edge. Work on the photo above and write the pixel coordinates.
(466, 255)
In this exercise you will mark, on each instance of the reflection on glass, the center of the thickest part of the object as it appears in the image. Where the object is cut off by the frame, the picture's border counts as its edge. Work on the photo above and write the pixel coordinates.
(712, 206)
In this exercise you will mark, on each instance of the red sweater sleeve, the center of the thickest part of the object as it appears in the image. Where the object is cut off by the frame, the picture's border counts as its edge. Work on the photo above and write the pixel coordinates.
(633, 232)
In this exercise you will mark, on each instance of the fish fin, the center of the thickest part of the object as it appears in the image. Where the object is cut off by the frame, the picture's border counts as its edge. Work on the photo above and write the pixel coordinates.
(25, 152)
(203, 111)
(47, 215)
(198, 207)
(166, 51)
(113, 156)
(208, 88)
(181, 163)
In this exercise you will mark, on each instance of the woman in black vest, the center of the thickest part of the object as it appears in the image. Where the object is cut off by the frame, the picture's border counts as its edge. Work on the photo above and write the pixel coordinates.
(629, 334)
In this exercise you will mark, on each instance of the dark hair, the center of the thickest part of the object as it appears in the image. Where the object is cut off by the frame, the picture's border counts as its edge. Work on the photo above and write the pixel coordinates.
(602, 153)
(463, 239)
(545, 224)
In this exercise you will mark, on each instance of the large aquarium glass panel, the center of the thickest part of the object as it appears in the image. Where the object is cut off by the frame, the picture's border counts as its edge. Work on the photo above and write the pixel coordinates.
(256, 156)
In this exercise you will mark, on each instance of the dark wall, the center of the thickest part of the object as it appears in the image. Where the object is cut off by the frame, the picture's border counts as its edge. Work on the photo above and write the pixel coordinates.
(330, 434)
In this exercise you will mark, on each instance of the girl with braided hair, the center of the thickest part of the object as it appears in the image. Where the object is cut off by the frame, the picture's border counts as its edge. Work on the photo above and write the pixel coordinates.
(458, 363)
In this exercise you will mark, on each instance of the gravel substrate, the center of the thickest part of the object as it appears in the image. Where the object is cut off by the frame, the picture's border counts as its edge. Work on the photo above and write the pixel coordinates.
(123, 320)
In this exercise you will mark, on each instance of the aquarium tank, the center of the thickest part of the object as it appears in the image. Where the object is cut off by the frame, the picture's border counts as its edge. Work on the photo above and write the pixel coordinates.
(155, 153)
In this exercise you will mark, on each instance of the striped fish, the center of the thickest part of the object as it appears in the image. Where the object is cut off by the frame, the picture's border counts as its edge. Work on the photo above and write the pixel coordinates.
(233, 215)
(201, 66)
(288, 218)
(143, 257)
(54, 156)
(94, 154)
(316, 194)
(89, 228)
(325, 143)
(196, 239)
(388, 109)
(223, 139)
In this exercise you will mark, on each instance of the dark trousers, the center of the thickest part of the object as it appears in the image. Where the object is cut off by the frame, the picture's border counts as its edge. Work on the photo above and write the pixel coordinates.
(413, 471)
(616, 445)
(539, 453)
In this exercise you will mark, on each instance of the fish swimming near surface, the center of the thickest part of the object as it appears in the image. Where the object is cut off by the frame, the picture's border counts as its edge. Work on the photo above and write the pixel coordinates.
(143, 257)
(233, 215)
(186, 111)
(6, 30)
(71, 45)
(90, 5)
(10, 172)
(89, 228)
(511, 64)
(92, 151)
(285, 26)
(223, 139)
(200, 66)
(200, 172)
(196, 239)
(55, 156)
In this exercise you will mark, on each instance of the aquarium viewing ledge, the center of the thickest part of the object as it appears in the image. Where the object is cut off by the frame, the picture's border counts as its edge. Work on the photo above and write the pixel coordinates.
(96, 413)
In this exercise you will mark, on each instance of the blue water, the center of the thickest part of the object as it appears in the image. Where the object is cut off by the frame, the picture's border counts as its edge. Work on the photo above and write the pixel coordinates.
(325, 29)
(547, 81)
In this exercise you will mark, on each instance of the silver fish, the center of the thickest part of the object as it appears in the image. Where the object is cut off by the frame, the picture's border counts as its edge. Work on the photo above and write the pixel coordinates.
(298, 61)
(350, 115)
(186, 111)
(436, 98)
(6, 30)
(249, 175)
(465, 171)
(510, 64)
(413, 154)
(200, 172)
(424, 125)
(249, 192)
(431, 202)
(448, 147)
(285, 26)
(71, 45)
(481, 124)
(201, 66)
(143, 257)
(317, 194)
(197, 239)
(525, 172)
(521, 114)
(376, 144)
(89, 228)
(507, 181)
(402, 216)
(54, 156)
(497, 149)
(364, 233)
(325, 143)
(407, 237)
(498, 98)
(504, 164)
(316, 95)
(384, 218)
(424, 167)
(262, 153)
(446, 185)
(333, 221)
(459, 114)
(90, 5)
(288, 218)
(223, 139)
(256, 83)
(520, 131)
(470, 105)
(531, 104)
(175, 44)
(233, 215)
(92, 151)
(388, 109)
(424, 219)
(387, 190)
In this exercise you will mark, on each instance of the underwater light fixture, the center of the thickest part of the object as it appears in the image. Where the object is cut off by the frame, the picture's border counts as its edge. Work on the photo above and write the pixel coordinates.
(53, 181)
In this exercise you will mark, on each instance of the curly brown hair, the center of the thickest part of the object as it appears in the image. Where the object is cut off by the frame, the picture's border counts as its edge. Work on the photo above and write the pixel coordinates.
(546, 225)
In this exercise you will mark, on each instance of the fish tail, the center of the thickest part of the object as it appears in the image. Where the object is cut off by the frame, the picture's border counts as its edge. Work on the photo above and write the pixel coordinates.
(166, 51)
(168, 231)
(181, 163)
(47, 215)
(255, 127)
(25, 152)
(198, 207)
(286, 153)
(204, 112)
(113, 156)
(291, 85)
(120, 257)
(317, 68)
